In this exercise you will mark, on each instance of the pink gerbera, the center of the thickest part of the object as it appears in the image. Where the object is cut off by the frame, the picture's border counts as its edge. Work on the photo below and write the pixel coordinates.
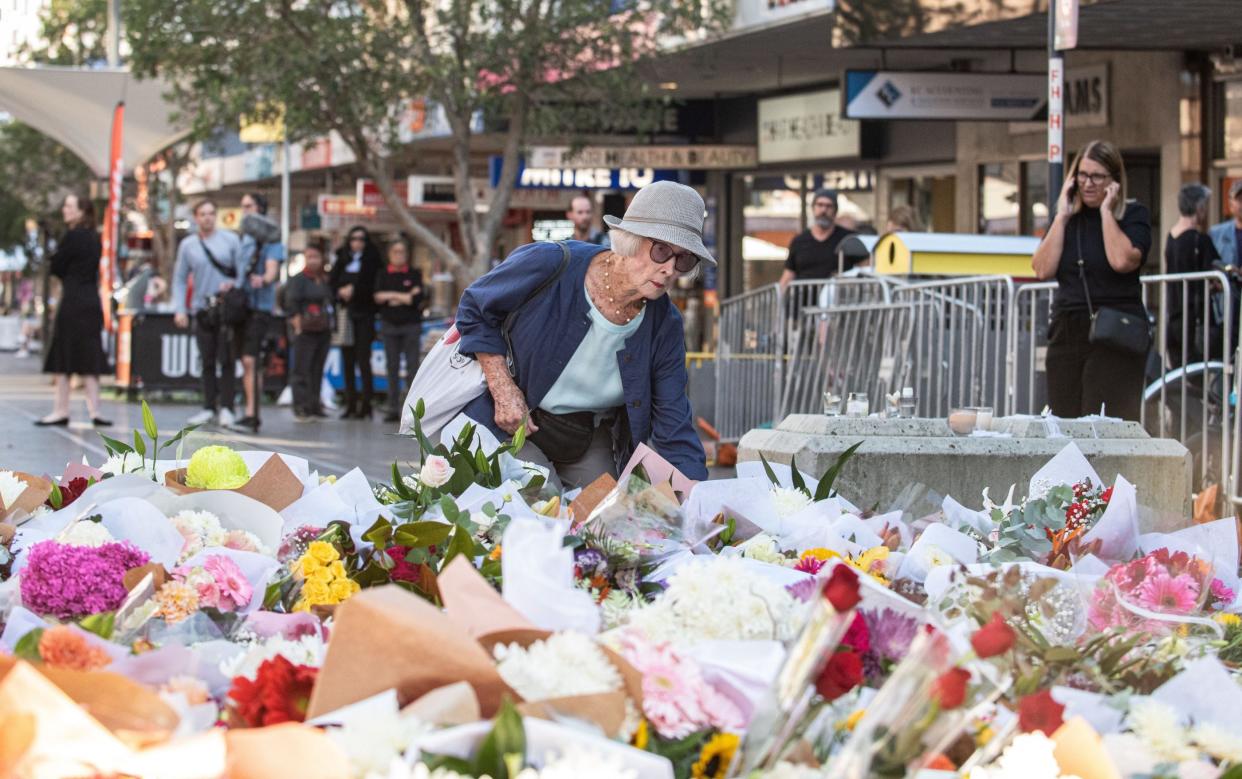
(235, 590)
(1168, 594)
(809, 564)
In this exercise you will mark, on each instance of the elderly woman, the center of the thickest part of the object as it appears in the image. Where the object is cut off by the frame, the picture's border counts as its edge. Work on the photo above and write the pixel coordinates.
(598, 352)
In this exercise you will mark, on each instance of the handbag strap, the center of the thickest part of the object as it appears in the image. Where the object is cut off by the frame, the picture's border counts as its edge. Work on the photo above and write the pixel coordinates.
(224, 271)
(1082, 270)
(510, 363)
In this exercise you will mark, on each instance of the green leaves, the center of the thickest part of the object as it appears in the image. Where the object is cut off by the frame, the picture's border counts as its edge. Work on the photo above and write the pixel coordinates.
(501, 755)
(27, 647)
(824, 489)
(101, 624)
(148, 422)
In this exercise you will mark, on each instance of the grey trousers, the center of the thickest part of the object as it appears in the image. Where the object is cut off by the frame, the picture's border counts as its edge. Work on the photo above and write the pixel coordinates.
(597, 461)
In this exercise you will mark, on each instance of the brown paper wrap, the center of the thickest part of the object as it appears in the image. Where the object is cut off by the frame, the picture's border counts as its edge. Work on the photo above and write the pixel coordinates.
(590, 497)
(385, 638)
(285, 750)
(273, 484)
(473, 604)
(37, 491)
(445, 707)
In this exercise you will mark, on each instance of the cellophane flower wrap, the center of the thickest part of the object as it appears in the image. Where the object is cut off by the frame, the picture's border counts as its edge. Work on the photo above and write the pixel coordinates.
(70, 582)
(1136, 595)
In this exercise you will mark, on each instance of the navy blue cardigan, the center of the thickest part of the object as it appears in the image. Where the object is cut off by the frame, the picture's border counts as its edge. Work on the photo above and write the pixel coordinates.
(549, 331)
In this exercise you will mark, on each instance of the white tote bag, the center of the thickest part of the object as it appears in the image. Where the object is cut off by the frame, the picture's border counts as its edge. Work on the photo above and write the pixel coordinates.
(446, 381)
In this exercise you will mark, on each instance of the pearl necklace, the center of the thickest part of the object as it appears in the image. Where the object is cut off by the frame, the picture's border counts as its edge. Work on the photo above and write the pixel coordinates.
(608, 291)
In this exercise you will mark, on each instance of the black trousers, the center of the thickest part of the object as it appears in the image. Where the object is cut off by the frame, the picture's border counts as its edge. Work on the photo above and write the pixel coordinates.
(400, 340)
(310, 351)
(1082, 376)
(358, 357)
(215, 349)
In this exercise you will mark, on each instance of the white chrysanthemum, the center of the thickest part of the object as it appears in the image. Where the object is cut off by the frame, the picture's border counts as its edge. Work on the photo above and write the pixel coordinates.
(120, 464)
(1030, 756)
(1218, 742)
(721, 599)
(306, 650)
(788, 501)
(399, 769)
(371, 748)
(764, 549)
(578, 762)
(11, 487)
(616, 607)
(85, 533)
(201, 529)
(1158, 726)
(561, 665)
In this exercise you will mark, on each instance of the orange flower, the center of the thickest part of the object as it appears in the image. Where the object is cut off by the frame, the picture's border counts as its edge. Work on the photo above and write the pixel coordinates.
(63, 647)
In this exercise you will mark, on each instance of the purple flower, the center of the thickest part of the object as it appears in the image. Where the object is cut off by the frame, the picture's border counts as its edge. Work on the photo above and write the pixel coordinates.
(891, 633)
(69, 582)
(590, 561)
(805, 589)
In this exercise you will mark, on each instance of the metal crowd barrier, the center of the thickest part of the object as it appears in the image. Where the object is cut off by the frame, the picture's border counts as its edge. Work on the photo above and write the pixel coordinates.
(748, 353)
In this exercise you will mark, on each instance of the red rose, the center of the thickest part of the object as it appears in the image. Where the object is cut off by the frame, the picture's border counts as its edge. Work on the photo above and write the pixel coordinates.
(994, 638)
(841, 589)
(280, 692)
(858, 637)
(403, 570)
(949, 689)
(843, 673)
(70, 492)
(1040, 712)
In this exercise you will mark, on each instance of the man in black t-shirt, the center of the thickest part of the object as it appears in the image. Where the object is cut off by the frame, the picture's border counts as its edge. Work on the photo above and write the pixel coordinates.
(813, 254)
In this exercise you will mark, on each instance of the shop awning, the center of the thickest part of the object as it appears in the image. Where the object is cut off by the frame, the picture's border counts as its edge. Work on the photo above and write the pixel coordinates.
(74, 106)
(1116, 25)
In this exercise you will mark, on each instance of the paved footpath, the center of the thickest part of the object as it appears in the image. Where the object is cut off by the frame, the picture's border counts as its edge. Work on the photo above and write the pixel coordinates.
(332, 446)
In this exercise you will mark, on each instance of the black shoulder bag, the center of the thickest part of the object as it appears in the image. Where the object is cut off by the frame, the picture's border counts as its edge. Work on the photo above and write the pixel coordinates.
(1112, 327)
(232, 307)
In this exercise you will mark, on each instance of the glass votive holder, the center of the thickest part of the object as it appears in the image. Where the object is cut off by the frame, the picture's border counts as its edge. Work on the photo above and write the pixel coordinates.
(857, 404)
(832, 404)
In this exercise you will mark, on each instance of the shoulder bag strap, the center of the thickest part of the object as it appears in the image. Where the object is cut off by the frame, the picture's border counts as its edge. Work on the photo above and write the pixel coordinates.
(1082, 271)
(512, 317)
(230, 273)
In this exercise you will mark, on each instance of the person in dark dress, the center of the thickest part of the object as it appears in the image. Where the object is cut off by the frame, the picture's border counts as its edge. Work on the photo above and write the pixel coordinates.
(1188, 249)
(399, 293)
(77, 346)
(353, 279)
(1096, 244)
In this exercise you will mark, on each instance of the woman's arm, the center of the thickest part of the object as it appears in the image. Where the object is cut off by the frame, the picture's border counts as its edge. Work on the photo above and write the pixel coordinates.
(485, 303)
(1123, 255)
(1048, 255)
(511, 408)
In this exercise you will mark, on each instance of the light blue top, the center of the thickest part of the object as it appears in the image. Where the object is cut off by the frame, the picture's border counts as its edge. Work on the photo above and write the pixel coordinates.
(192, 260)
(263, 298)
(591, 380)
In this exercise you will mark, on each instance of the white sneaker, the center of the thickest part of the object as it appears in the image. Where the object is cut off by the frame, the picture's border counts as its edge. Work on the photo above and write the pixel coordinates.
(201, 418)
(226, 418)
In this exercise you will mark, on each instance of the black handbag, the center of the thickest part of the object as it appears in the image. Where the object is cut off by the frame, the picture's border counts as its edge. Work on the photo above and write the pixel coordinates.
(564, 438)
(1122, 330)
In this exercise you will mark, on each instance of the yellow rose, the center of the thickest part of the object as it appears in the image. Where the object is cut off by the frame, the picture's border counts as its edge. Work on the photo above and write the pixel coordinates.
(307, 566)
(341, 589)
(320, 576)
(323, 552)
(338, 570)
(316, 593)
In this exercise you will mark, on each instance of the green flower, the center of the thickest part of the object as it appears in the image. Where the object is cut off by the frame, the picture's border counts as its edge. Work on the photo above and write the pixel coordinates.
(216, 468)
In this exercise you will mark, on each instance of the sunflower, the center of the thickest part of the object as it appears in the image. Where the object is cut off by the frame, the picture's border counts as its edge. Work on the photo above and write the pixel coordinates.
(716, 757)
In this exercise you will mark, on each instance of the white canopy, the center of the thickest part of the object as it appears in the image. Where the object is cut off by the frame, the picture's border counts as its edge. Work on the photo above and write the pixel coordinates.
(74, 106)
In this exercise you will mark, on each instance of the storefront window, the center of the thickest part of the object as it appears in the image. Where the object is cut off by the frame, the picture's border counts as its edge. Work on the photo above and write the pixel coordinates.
(1034, 198)
(1233, 120)
(931, 198)
(999, 207)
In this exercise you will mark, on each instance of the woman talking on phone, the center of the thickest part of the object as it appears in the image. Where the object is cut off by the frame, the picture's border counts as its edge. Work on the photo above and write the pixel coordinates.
(1099, 335)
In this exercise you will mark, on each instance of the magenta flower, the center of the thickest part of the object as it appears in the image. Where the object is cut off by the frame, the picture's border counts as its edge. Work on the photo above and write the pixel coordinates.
(70, 582)
(1222, 594)
(1169, 594)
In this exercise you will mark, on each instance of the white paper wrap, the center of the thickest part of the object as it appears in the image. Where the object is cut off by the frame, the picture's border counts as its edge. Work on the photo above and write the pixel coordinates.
(538, 573)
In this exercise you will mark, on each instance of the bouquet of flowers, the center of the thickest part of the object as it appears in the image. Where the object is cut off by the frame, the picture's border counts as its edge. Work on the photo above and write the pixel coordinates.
(1156, 593)
(1047, 528)
(68, 582)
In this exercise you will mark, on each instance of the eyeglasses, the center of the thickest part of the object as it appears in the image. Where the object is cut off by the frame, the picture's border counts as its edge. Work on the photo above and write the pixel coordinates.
(1096, 179)
(662, 253)
(357, 238)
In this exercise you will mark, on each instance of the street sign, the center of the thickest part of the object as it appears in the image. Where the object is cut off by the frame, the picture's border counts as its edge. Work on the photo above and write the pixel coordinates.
(580, 177)
(978, 97)
(1056, 110)
(806, 126)
(708, 157)
(1066, 25)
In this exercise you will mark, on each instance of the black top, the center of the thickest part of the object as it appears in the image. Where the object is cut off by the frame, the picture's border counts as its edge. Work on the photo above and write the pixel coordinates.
(307, 295)
(812, 259)
(360, 272)
(389, 279)
(1190, 252)
(76, 346)
(1109, 289)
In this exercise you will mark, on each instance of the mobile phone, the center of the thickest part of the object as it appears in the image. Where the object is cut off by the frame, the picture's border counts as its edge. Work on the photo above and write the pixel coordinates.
(1073, 190)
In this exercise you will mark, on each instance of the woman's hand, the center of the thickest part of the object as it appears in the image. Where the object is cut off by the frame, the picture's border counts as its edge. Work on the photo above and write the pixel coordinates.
(510, 401)
(1065, 202)
(1111, 193)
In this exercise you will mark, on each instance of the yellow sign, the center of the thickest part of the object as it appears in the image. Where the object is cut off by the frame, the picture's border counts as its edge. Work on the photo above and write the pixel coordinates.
(253, 131)
(229, 218)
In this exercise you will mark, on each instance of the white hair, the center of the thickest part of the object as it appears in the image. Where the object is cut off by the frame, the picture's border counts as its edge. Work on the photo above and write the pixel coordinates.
(628, 244)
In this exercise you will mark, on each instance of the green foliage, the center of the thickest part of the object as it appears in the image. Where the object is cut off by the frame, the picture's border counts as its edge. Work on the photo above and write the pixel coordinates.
(824, 487)
(527, 67)
(27, 647)
(501, 755)
(101, 624)
(1023, 533)
(114, 447)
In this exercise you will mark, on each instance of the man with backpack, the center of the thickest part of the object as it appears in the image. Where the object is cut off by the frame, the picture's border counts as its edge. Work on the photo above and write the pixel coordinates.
(214, 259)
(262, 254)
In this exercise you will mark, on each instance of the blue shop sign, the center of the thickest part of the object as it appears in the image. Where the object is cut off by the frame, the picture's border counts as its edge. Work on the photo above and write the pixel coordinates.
(581, 178)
